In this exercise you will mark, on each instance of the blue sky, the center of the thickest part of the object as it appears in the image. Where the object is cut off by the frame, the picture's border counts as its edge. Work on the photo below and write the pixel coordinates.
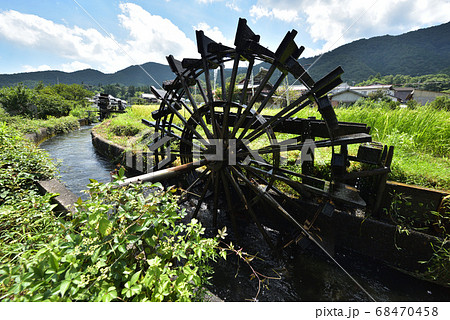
(108, 36)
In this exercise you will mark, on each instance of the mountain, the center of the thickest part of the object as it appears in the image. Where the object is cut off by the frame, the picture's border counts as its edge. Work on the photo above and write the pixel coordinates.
(420, 52)
(133, 75)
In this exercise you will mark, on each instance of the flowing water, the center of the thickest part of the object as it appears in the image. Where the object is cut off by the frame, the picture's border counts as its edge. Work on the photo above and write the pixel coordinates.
(78, 160)
(302, 274)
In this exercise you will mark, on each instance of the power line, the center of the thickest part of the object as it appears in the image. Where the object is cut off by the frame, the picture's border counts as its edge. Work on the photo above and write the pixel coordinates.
(114, 40)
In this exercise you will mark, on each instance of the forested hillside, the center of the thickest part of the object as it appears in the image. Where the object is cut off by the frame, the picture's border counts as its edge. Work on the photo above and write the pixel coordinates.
(421, 52)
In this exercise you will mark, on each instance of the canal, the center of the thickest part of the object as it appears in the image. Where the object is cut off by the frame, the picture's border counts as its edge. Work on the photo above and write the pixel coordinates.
(299, 274)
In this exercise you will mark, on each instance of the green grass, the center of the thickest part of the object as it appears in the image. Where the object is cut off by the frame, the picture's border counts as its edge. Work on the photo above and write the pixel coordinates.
(127, 129)
(421, 138)
(53, 125)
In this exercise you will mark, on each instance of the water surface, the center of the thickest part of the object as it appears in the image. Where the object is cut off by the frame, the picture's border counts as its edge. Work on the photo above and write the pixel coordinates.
(77, 160)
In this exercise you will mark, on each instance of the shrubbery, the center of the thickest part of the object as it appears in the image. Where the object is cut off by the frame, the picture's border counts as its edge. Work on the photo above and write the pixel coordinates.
(42, 102)
(441, 103)
(123, 244)
(21, 164)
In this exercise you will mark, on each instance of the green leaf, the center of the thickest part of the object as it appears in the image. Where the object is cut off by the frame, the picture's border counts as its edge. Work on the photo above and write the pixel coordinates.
(54, 261)
(135, 277)
(110, 295)
(64, 286)
(105, 227)
(121, 172)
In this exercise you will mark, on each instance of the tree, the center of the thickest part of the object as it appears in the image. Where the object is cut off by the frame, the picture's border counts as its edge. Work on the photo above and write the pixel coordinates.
(441, 103)
(17, 100)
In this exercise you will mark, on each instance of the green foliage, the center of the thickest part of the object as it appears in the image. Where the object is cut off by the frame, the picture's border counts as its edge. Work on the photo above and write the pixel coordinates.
(21, 164)
(17, 100)
(425, 128)
(43, 102)
(439, 264)
(431, 82)
(441, 103)
(119, 246)
(53, 125)
(72, 92)
(123, 244)
(51, 105)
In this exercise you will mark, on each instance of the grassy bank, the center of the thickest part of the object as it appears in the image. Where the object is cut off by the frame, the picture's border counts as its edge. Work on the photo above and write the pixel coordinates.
(53, 125)
(127, 129)
(118, 246)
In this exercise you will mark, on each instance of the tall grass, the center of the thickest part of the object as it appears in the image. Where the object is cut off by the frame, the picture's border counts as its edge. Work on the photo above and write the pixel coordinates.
(421, 138)
(425, 128)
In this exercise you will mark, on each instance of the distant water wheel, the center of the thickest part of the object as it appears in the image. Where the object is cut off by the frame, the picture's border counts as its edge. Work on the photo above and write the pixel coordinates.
(235, 138)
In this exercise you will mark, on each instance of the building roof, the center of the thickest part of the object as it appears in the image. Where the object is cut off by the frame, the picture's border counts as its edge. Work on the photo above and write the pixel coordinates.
(148, 96)
(349, 90)
(373, 87)
(403, 94)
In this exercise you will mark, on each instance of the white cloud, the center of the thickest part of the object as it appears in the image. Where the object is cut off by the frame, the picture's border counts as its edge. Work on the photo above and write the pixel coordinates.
(151, 38)
(44, 67)
(74, 66)
(208, 1)
(45, 35)
(286, 15)
(259, 12)
(340, 21)
(214, 33)
(233, 6)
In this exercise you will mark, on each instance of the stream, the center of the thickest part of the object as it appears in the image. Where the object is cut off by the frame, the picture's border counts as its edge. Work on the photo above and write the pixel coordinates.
(300, 274)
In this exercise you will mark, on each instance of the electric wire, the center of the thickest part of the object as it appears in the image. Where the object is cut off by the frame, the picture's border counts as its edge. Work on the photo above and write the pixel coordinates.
(118, 44)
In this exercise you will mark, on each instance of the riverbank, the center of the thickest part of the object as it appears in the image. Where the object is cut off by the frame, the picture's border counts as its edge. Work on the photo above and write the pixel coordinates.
(36, 242)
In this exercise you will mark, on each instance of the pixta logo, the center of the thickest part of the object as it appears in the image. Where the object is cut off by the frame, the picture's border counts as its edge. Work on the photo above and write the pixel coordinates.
(230, 151)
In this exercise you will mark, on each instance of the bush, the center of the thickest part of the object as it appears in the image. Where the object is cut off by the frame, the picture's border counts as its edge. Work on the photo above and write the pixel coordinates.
(119, 246)
(441, 103)
(55, 101)
(51, 105)
(21, 164)
(127, 130)
(18, 100)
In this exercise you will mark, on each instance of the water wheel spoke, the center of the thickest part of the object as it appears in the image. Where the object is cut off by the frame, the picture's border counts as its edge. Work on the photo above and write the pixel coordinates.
(225, 178)
(202, 44)
(216, 198)
(261, 107)
(202, 122)
(246, 82)
(279, 193)
(227, 107)
(222, 81)
(278, 118)
(196, 181)
(202, 196)
(249, 208)
(299, 187)
(187, 124)
(202, 90)
(247, 111)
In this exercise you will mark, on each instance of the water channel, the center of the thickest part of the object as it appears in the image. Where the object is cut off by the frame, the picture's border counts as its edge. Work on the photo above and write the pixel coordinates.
(303, 274)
